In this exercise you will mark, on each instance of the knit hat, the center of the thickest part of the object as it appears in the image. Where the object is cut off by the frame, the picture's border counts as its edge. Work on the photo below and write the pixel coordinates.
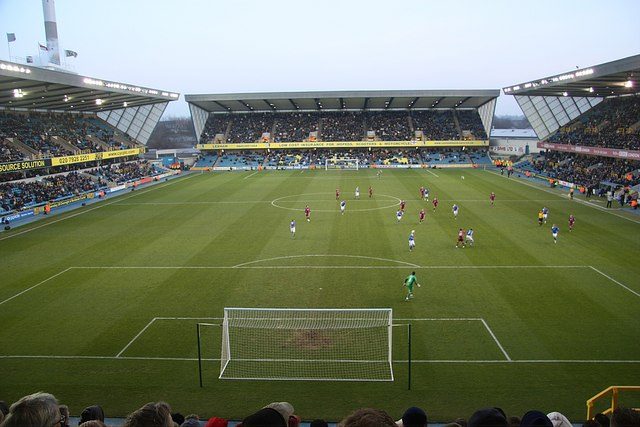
(535, 419)
(265, 417)
(216, 422)
(414, 417)
(488, 417)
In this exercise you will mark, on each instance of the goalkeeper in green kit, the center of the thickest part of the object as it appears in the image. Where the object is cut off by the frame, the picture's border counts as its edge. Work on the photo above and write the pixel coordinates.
(409, 282)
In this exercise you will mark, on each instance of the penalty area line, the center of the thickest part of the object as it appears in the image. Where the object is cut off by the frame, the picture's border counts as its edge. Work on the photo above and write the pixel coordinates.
(136, 337)
(615, 281)
(36, 285)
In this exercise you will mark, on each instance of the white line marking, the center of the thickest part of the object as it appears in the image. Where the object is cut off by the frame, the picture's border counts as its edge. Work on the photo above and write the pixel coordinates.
(274, 203)
(194, 359)
(136, 337)
(432, 173)
(615, 281)
(100, 205)
(253, 202)
(600, 208)
(465, 319)
(221, 202)
(250, 175)
(36, 285)
(324, 256)
(373, 267)
(495, 339)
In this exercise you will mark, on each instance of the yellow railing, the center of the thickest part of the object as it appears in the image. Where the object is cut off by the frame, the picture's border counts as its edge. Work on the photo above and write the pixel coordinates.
(615, 391)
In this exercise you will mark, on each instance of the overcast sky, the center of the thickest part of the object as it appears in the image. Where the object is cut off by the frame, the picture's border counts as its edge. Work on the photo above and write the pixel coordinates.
(214, 46)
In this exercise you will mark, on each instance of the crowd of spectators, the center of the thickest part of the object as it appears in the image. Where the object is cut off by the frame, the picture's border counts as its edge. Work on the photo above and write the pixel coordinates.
(123, 172)
(37, 131)
(389, 125)
(587, 171)
(249, 127)
(44, 410)
(435, 124)
(295, 127)
(17, 195)
(342, 126)
(609, 124)
(216, 124)
(9, 153)
(470, 121)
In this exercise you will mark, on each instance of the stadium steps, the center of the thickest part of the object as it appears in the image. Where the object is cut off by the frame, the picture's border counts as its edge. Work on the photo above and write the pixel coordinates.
(63, 143)
(22, 147)
(97, 141)
(124, 141)
(457, 123)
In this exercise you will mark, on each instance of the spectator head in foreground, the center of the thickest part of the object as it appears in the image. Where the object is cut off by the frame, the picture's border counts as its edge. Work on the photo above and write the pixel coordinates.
(4, 408)
(368, 417)
(64, 411)
(265, 417)
(559, 420)
(602, 419)
(535, 419)
(150, 415)
(35, 410)
(92, 423)
(190, 422)
(488, 417)
(625, 417)
(89, 413)
(413, 417)
(216, 422)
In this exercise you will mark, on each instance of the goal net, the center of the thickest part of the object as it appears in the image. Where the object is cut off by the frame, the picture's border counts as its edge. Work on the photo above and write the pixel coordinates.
(307, 344)
(344, 164)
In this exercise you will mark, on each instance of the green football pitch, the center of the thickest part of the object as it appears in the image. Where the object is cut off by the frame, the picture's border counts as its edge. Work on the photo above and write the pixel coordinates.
(99, 305)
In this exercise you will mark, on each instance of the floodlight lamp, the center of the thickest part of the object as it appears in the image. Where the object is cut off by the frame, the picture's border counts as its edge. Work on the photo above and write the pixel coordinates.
(99, 101)
(590, 90)
(124, 104)
(628, 84)
(565, 94)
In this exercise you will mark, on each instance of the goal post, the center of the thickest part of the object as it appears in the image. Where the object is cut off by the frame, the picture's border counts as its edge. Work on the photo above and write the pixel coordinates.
(307, 344)
(331, 163)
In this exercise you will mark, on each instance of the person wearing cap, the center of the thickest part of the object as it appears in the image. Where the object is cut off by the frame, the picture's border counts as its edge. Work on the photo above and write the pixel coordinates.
(413, 417)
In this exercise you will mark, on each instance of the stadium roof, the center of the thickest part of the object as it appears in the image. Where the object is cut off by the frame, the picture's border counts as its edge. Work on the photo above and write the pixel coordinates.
(621, 77)
(513, 133)
(552, 102)
(22, 86)
(341, 100)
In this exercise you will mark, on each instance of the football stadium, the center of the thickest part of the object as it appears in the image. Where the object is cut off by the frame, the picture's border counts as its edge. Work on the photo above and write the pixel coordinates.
(325, 250)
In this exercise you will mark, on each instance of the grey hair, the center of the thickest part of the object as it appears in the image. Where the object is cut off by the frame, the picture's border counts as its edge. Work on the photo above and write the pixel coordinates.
(35, 410)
